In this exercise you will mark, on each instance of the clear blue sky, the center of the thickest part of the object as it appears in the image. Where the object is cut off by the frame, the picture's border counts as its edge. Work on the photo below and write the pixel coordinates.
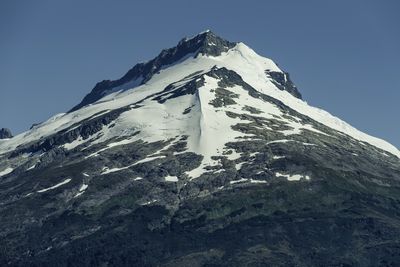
(343, 55)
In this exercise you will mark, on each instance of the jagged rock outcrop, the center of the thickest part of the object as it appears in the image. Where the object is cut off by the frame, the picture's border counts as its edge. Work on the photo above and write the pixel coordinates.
(5, 133)
(283, 82)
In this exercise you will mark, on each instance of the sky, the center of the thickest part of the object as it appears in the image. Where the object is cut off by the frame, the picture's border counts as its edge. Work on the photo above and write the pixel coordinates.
(342, 55)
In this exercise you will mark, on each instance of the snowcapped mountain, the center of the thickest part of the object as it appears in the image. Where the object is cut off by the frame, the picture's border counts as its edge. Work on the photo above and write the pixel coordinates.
(208, 139)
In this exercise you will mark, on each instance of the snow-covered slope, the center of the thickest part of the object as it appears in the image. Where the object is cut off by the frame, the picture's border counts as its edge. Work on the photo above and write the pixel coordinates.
(207, 129)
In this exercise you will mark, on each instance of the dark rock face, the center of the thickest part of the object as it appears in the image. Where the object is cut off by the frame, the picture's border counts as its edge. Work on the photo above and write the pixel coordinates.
(5, 133)
(283, 82)
(34, 125)
(84, 129)
(206, 43)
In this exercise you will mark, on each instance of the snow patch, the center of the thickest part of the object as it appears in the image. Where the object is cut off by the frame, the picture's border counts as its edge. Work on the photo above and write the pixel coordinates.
(253, 154)
(171, 178)
(31, 167)
(258, 181)
(77, 142)
(293, 177)
(286, 141)
(253, 181)
(106, 170)
(82, 190)
(241, 180)
(280, 141)
(239, 165)
(149, 202)
(6, 171)
(111, 145)
(151, 158)
(298, 128)
(83, 187)
(55, 186)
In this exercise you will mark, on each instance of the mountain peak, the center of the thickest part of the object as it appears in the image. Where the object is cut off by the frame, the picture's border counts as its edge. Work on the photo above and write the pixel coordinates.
(200, 36)
(204, 38)
(205, 43)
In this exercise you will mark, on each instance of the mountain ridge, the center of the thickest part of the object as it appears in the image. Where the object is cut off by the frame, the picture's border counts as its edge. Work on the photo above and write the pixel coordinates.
(269, 72)
(206, 43)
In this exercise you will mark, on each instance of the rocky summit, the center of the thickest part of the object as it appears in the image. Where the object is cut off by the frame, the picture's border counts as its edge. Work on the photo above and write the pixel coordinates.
(205, 155)
(5, 133)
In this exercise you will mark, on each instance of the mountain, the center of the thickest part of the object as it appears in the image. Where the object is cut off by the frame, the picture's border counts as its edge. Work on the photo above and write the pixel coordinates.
(205, 155)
